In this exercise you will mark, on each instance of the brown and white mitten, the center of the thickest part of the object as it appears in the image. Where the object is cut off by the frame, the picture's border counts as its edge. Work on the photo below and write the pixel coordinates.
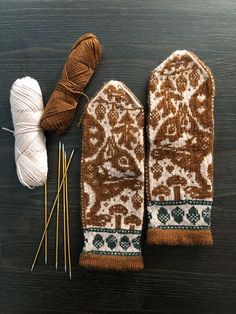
(112, 180)
(181, 133)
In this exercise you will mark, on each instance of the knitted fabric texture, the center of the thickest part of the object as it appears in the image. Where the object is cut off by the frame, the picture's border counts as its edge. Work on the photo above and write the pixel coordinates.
(112, 180)
(181, 132)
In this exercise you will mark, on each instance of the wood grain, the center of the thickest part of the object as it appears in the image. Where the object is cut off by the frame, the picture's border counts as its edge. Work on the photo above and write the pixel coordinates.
(137, 35)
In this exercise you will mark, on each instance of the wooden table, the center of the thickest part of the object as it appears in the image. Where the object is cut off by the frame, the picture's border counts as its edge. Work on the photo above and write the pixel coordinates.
(35, 37)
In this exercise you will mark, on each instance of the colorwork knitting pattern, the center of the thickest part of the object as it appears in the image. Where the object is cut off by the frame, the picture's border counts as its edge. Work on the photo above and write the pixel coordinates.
(113, 179)
(181, 132)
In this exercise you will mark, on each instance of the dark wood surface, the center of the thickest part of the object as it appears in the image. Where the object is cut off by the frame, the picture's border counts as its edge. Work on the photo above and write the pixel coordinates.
(137, 35)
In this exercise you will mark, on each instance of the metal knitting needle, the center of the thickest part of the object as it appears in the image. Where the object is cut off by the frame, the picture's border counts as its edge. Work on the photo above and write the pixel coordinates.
(51, 211)
(68, 223)
(45, 221)
(58, 202)
(64, 208)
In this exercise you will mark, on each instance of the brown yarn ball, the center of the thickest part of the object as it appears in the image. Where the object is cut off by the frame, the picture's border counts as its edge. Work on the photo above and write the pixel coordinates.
(78, 69)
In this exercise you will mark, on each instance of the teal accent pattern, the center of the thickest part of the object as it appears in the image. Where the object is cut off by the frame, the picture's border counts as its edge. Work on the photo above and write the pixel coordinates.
(112, 241)
(163, 215)
(178, 214)
(109, 230)
(206, 214)
(98, 241)
(184, 214)
(181, 202)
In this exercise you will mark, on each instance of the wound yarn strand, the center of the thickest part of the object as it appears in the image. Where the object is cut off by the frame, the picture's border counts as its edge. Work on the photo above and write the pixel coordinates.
(30, 143)
(79, 67)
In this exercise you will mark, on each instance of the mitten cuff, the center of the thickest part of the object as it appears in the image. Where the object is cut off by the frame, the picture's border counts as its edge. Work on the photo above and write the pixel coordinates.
(179, 237)
(185, 222)
(117, 249)
(113, 262)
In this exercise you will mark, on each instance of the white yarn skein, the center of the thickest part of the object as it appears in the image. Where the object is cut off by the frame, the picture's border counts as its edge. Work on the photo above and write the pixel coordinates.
(30, 144)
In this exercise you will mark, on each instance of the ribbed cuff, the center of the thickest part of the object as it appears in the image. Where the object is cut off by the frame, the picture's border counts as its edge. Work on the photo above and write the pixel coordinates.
(179, 237)
(112, 262)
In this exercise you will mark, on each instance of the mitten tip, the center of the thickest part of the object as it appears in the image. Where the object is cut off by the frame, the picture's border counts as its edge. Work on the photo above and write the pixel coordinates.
(179, 237)
(114, 262)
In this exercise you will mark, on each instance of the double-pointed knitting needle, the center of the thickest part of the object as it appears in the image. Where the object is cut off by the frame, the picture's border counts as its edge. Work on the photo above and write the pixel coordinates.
(51, 211)
(45, 221)
(64, 208)
(67, 222)
(58, 202)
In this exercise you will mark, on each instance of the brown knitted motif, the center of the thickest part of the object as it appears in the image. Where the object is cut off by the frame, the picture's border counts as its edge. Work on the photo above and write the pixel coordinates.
(112, 179)
(181, 132)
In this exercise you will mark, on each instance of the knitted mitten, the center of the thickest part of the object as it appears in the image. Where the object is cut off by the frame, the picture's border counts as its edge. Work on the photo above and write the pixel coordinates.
(112, 180)
(181, 132)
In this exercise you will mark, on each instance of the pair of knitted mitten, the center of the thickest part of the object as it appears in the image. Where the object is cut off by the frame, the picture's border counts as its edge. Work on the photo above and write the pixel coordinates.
(178, 168)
